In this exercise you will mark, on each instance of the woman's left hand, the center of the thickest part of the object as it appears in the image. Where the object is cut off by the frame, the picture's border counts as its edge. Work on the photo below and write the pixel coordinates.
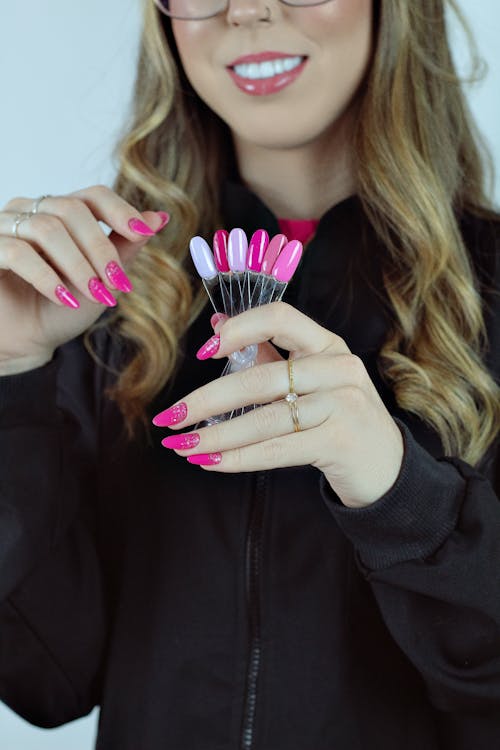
(346, 430)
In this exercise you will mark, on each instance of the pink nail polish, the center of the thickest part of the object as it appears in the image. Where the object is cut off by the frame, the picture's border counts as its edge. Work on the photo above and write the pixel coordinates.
(118, 278)
(209, 348)
(274, 248)
(100, 293)
(205, 459)
(220, 250)
(165, 218)
(216, 317)
(181, 442)
(256, 250)
(174, 415)
(66, 297)
(139, 227)
(287, 261)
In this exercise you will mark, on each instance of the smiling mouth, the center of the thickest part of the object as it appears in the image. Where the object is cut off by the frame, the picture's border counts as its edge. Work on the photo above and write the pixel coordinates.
(268, 68)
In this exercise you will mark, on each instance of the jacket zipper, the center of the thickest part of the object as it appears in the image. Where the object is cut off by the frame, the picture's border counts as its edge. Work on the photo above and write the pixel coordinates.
(253, 562)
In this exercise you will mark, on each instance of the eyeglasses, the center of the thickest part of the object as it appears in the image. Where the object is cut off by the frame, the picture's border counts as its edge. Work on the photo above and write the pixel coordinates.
(198, 10)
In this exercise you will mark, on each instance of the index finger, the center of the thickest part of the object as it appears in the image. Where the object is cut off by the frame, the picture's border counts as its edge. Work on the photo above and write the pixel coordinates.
(283, 326)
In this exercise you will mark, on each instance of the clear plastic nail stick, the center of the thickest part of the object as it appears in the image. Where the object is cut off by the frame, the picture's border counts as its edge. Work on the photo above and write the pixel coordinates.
(239, 275)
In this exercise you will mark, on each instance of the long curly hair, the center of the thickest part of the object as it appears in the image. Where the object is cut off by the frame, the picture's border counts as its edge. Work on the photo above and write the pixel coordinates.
(420, 162)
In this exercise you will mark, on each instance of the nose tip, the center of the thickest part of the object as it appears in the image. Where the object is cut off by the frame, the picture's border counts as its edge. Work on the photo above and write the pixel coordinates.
(242, 12)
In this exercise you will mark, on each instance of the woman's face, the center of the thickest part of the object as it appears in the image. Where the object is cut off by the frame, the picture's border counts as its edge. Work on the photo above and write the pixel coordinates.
(285, 110)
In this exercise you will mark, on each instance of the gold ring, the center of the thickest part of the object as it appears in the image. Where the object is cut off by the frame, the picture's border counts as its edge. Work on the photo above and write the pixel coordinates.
(291, 398)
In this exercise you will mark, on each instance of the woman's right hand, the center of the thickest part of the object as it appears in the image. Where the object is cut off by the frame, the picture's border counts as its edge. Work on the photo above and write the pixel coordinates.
(62, 245)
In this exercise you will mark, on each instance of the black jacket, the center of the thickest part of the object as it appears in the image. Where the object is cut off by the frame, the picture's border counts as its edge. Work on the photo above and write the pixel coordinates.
(205, 611)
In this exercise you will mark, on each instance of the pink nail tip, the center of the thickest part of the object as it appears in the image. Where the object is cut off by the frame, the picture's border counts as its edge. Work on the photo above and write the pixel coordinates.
(210, 348)
(205, 459)
(181, 442)
(221, 237)
(139, 227)
(66, 297)
(274, 248)
(256, 250)
(118, 278)
(100, 293)
(165, 218)
(174, 415)
(287, 261)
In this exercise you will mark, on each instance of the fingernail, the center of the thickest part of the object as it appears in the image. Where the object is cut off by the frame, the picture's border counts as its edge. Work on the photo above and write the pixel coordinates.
(100, 293)
(209, 348)
(66, 297)
(181, 442)
(139, 227)
(165, 218)
(216, 318)
(174, 415)
(205, 459)
(118, 278)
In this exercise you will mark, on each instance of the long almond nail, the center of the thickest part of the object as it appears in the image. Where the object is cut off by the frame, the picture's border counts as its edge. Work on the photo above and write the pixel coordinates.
(181, 442)
(174, 415)
(139, 227)
(205, 459)
(210, 348)
(118, 278)
(100, 293)
(66, 297)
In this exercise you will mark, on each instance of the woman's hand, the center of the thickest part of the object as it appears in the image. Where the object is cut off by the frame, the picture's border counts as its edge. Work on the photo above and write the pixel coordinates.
(63, 259)
(346, 430)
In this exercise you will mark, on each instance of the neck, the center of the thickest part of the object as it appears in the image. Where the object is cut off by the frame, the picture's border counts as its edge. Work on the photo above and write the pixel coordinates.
(299, 182)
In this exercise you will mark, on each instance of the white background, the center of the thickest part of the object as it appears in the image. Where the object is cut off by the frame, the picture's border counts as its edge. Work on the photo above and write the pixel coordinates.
(66, 74)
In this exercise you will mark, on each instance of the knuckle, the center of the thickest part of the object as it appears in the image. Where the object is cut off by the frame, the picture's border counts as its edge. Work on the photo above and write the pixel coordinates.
(45, 277)
(102, 191)
(353, 396)
(274, 451)
(265, 420)
(254, 380)
(356, 368)
(281, 310)
(71, 206)
(47, 226)
(8, 252)
(10, 206)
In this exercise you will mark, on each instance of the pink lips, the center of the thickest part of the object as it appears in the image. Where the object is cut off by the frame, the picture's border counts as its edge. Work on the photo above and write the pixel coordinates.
(265, 86)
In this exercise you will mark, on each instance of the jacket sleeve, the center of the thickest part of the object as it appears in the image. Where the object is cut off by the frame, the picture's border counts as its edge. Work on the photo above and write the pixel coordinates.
(52, 603)
(430, 550)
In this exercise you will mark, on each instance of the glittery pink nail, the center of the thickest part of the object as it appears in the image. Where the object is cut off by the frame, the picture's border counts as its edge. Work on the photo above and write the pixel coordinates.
(205, 459)
(118, 277)
(174, 415)
(210, 348)
(181, 442)
(66, 297)
(100, 293)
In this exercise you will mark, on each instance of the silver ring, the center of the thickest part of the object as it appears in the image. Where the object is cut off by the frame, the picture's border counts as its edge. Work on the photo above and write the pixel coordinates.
(19, 218)
(36, 204)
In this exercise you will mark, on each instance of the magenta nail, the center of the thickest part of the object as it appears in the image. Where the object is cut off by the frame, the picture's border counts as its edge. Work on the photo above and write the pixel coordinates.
(174, 415)
(66, 297)
(118, 278)
(139, 227)
(100, 293)
(256, 249)
(220, 250)
(205, 459)
(181, 442)
(209, 348)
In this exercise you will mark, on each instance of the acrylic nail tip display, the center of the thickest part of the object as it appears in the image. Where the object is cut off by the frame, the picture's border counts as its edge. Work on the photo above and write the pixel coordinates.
(239, 275)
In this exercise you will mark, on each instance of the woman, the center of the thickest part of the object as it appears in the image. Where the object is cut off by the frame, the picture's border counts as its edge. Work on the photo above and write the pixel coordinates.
(329, 577)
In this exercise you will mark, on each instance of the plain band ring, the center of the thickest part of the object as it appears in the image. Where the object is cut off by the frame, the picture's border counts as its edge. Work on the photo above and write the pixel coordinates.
(36, 204)
(19, 218)
(291, 398)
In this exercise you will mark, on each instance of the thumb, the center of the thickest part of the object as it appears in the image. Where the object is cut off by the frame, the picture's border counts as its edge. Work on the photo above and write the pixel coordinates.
(129, 249)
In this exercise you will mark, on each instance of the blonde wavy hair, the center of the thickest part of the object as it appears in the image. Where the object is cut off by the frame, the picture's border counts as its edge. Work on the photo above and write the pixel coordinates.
(420, 162)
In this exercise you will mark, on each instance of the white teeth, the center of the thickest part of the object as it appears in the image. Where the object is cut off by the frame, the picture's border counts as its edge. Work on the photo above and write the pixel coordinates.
(267, 69)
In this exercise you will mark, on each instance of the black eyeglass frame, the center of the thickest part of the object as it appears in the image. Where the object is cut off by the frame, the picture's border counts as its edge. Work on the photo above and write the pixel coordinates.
(163, 10)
